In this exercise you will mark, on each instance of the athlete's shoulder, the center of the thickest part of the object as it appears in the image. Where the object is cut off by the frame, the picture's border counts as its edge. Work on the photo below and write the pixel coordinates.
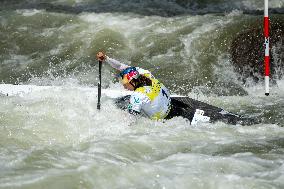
(144, 72)
(141, 70)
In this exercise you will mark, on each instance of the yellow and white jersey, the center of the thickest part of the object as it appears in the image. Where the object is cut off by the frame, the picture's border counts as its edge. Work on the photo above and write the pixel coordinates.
(153, 101)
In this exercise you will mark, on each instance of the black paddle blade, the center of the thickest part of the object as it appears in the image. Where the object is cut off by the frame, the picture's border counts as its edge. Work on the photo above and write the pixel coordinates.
(99, 86)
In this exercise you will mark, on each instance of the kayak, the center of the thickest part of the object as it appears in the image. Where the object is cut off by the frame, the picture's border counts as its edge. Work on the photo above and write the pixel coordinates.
(195, 111)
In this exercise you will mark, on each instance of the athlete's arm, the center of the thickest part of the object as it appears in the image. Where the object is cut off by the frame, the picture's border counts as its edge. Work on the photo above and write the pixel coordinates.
(134, 109)
(135, 104)
(116, 64)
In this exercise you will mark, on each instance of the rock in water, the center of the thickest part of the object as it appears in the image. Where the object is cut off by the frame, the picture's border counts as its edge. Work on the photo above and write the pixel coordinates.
(247, 51)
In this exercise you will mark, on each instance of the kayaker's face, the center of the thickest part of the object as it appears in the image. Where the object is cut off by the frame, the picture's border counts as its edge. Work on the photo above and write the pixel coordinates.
(128, 86)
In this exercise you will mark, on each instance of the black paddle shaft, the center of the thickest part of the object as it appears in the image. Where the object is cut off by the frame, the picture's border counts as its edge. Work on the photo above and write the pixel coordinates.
(99, 85)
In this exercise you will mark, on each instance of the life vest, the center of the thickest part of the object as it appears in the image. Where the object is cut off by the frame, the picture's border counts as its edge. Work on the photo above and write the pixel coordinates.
(153, 101)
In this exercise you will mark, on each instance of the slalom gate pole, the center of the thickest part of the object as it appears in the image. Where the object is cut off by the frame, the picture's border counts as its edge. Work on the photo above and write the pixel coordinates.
(266, 43)
(99, 85)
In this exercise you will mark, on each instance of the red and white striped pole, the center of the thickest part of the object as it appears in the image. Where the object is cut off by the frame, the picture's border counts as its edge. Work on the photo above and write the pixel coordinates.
(266, 43)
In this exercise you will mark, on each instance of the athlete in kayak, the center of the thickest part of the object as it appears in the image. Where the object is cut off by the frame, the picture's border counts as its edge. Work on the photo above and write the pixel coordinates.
(150, 97)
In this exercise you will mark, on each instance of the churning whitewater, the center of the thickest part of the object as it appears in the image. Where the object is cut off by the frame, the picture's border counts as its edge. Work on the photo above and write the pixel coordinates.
(52, 135)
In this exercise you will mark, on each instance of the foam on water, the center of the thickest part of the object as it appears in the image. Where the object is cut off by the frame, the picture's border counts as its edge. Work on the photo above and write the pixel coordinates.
(60, 130)
(29, 12)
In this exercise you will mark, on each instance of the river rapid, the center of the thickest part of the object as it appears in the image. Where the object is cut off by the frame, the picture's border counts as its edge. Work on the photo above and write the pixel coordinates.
(56, 138)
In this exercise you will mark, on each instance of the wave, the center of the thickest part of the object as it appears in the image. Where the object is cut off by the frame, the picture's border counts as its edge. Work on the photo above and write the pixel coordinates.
(186, 52)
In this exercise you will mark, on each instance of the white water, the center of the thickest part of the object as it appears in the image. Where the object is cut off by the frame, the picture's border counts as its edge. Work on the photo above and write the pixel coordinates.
(55, 136)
